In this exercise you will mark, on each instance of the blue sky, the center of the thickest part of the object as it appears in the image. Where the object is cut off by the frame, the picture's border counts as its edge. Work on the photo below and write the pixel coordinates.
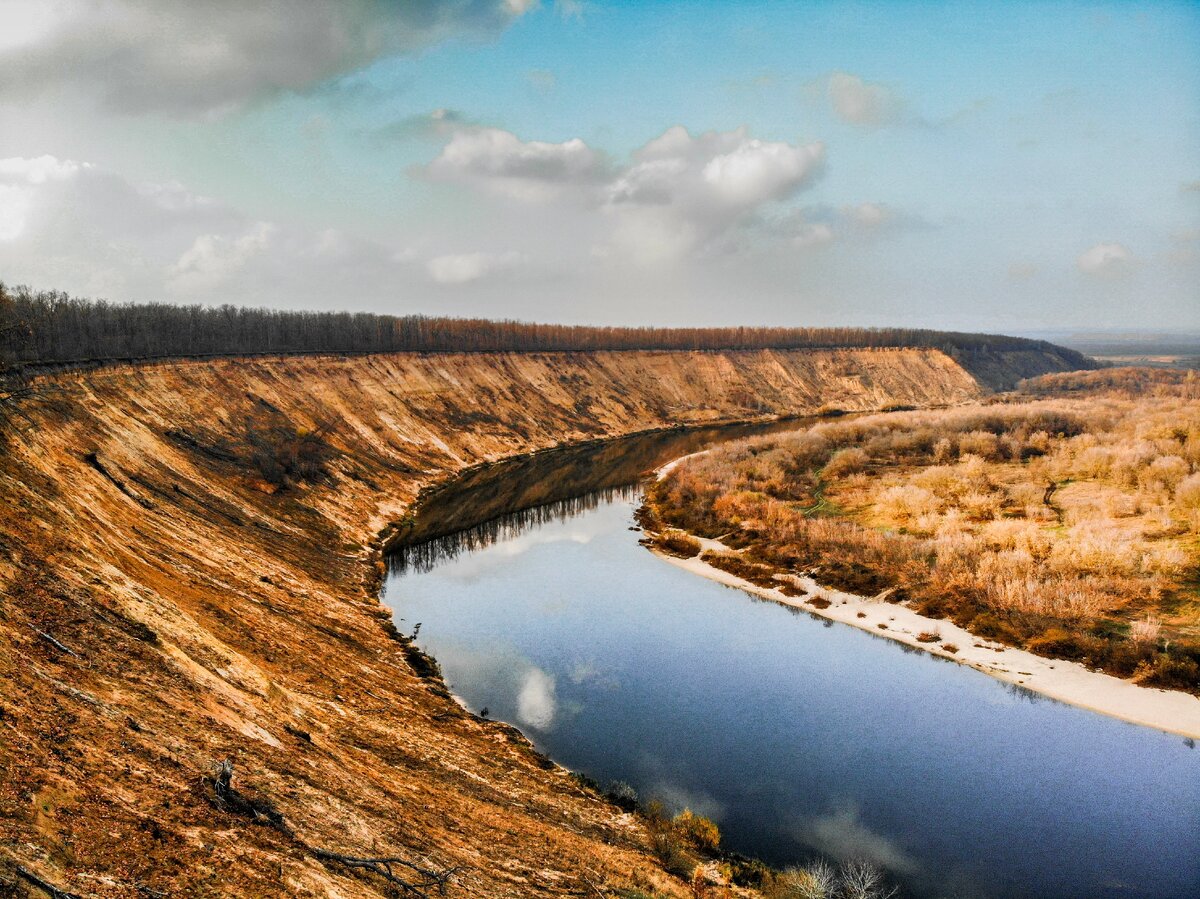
(998, 166)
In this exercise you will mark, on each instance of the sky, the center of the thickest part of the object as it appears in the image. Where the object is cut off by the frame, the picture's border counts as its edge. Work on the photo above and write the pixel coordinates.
(988, 166)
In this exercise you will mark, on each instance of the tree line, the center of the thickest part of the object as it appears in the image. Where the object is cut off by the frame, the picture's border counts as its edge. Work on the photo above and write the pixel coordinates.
(51, 327)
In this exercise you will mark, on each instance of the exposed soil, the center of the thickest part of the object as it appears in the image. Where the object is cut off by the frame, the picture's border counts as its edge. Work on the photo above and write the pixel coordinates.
(189, 559)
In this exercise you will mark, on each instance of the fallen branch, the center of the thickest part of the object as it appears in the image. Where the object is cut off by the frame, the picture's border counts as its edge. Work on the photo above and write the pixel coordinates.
(49, 639)
(44, 885)
(226, 798)
(382, 867)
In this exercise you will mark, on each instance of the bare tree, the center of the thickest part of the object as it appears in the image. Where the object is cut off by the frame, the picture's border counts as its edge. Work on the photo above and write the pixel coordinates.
(68, 330)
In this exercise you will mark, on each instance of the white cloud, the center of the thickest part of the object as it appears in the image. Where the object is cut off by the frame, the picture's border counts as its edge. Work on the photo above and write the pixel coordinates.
(681, 193)
(502, 163)
(214, 258)
(754, 171)
(465, 267)
(677, 194)
(184, 58)
(82, 228)
(862, 102)
(38, 170)
(1107, 260)
(868, 215)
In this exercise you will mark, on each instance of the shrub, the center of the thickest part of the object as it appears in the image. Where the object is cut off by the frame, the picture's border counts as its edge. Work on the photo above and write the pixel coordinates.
(697, 831)
(929, 637)
(282, 453)
(845, 462)
(672, 854)
(1187, 494)
(1145, 630)
(1061, 643)
(621, 794)
(677, 543)
(815, 881)
(1171, 672)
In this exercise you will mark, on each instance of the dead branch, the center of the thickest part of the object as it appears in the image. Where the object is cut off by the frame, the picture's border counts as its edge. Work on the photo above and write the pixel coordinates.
(422, 879)
(382, 867)
(49, 639)
(44, 885)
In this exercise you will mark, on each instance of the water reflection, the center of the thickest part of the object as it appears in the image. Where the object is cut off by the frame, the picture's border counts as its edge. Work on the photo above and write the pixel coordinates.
(796, 735)
(568, 474)
(424, 556)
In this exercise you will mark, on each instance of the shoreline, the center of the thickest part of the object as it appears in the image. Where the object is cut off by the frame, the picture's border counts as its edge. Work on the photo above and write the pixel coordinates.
(1170, 711)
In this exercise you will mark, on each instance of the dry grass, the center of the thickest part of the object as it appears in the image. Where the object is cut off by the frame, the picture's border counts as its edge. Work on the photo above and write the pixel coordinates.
(1069, 526)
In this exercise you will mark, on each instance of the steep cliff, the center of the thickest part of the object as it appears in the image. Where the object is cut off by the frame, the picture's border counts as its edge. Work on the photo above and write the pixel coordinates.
(189, 558)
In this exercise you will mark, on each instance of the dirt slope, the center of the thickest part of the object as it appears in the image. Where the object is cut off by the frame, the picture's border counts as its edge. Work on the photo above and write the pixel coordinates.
(165, 607)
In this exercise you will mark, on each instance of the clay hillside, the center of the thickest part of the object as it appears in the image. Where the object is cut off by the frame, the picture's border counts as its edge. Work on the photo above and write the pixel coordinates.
(189, 561)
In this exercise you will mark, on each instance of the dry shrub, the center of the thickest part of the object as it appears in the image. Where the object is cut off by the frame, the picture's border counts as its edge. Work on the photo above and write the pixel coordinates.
(906, 502)
(1187, 495)
(677, 543)
(1163, 473)
(846, 462)
(983, 444)
(1145, 630)
(697, 831)
(974, 537)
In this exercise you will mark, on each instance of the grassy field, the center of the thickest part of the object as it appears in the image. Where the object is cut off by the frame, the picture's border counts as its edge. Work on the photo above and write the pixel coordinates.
(1064, 519)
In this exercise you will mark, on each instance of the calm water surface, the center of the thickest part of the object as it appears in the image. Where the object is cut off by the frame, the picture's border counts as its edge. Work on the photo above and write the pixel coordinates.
(798, 736)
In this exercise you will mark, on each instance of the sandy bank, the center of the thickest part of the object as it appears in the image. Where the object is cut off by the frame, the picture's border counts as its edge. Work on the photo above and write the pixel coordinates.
(1069, 682)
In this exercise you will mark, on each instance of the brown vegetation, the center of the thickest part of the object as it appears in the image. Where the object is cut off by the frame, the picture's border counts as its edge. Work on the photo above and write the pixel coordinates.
(1126, 381)
(1068, 527)
(677, 543)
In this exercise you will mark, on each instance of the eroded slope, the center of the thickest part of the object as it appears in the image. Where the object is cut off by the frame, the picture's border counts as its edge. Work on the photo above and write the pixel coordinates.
(178, 589)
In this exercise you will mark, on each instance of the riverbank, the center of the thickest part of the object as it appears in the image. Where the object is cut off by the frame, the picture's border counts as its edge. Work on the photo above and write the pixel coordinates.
(190, 563)
(1065, 681)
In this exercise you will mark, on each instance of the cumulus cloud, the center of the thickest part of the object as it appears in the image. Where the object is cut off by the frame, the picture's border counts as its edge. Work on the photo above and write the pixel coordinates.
(213, 258)
(19, 181)
(464, 267)
(681, 193)
(678, 193)
(862, 102)
(186, 58)
(1107, 260)
(500, 162)
(82, 228)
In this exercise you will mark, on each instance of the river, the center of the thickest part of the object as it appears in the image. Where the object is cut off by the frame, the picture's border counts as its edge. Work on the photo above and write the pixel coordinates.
(798, 736)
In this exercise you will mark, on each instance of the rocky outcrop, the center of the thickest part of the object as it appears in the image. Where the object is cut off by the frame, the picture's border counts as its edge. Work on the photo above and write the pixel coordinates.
(189, 560)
